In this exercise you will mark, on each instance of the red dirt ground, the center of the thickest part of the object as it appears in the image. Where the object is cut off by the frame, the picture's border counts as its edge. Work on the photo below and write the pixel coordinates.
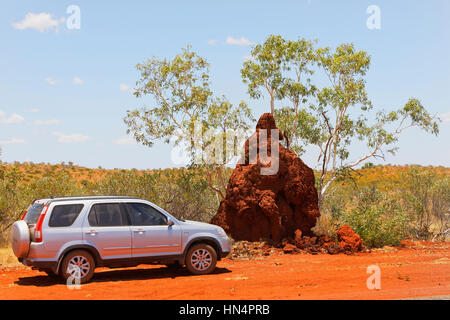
(422, 269)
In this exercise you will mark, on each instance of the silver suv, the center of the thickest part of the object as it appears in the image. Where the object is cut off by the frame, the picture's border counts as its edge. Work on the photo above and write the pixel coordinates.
(72, 236)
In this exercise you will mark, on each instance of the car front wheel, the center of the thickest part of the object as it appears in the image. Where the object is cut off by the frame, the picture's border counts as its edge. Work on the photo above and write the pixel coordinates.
(201, 259)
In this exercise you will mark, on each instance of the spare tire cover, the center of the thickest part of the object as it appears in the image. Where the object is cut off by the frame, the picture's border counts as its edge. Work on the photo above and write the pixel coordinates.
(20, 238)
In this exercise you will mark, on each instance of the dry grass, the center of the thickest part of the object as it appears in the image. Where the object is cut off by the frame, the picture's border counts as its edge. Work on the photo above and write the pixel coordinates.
(7, 257)
(324, 227)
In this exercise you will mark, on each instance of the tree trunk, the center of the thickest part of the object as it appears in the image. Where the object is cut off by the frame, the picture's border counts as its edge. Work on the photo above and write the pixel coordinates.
(272, 107)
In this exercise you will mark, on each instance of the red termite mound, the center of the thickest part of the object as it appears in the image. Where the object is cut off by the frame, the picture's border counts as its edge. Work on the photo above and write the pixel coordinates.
(268, 207)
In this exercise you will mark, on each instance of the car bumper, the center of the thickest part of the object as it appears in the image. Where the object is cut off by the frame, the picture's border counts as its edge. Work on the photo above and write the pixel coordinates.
(225, 245)
(40, 264)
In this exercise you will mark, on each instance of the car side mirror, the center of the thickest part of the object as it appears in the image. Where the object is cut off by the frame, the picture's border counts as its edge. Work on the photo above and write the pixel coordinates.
(170, 222)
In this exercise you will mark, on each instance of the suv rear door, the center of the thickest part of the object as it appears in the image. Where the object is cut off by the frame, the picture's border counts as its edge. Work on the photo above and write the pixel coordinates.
(108, 228)
(151, 235)
(62, 227)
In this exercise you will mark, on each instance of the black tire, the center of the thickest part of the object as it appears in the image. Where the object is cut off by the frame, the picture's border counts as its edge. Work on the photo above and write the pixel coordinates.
(193, 263)
(86, 272)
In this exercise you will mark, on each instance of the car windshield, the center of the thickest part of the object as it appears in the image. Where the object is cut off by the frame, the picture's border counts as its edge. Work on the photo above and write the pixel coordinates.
(34, 211)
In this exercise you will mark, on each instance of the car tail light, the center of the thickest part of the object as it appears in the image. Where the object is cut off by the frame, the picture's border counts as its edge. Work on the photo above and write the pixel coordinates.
(26, 211)
(38, 229)
(24, 215)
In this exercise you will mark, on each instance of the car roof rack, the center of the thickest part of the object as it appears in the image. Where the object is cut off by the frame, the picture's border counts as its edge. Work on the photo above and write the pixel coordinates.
(74, 198)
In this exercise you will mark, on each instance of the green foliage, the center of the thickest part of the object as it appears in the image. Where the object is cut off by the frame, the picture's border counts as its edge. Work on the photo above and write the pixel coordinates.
(414, 204)
(270, 65)
(368, 165)
(298, 128)
(184, 104)
(334, 116)
(10, 191)
(377, 219)
(426, 197)
(265, 68)
(15, 196)
(182, 96)
(129, 183)
(383, 205)
(58, 185)
(182, 192)
(180, 88)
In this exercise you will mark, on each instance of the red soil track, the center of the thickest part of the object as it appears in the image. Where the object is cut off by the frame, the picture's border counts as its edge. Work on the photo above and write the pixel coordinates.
(418, 271)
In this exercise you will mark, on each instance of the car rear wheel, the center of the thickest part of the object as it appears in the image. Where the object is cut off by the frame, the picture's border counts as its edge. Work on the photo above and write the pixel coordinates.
(201, 259)
(78, 265)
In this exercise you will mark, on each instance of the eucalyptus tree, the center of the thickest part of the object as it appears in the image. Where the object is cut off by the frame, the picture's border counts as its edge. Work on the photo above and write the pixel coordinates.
(344, 111)
(282, 68)
(297, 88)
(183, 107)
(265, 69)
(333, 116)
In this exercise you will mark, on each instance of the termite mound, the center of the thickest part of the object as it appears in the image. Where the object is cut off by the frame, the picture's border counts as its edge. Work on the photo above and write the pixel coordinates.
(261, 206)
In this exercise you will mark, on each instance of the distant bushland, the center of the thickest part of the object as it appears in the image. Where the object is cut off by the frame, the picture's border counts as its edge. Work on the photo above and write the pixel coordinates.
(382, 203)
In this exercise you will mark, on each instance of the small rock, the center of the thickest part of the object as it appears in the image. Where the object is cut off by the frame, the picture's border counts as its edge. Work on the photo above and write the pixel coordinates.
(349, 241)
(289, 248)
(332, 248)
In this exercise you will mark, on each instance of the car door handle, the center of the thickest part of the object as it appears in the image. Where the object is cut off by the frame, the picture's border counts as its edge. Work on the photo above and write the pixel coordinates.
(92, 232)
(139, 231)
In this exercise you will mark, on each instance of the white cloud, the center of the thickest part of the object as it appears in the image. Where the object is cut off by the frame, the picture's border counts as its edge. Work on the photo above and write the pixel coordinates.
(12, 141)
(445, 117)
(50, 81)
(71, 138)
(33, 110)
(124, 87)
(77, 80)
(213, 42)
(14, 118)
(125, 141)
(47, 122)
(38, 21)
(243, 41)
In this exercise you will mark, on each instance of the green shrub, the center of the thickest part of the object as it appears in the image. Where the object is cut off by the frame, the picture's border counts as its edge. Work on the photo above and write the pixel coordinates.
(426, 197)
(377, 219)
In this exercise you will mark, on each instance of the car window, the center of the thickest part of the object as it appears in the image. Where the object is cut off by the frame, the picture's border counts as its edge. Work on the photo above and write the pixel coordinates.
(33, 213)
(106, 215)
(144, 215)
(64, 215)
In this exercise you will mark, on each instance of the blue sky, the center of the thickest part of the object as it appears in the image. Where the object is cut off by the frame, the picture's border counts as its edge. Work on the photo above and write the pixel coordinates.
(64, 93)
